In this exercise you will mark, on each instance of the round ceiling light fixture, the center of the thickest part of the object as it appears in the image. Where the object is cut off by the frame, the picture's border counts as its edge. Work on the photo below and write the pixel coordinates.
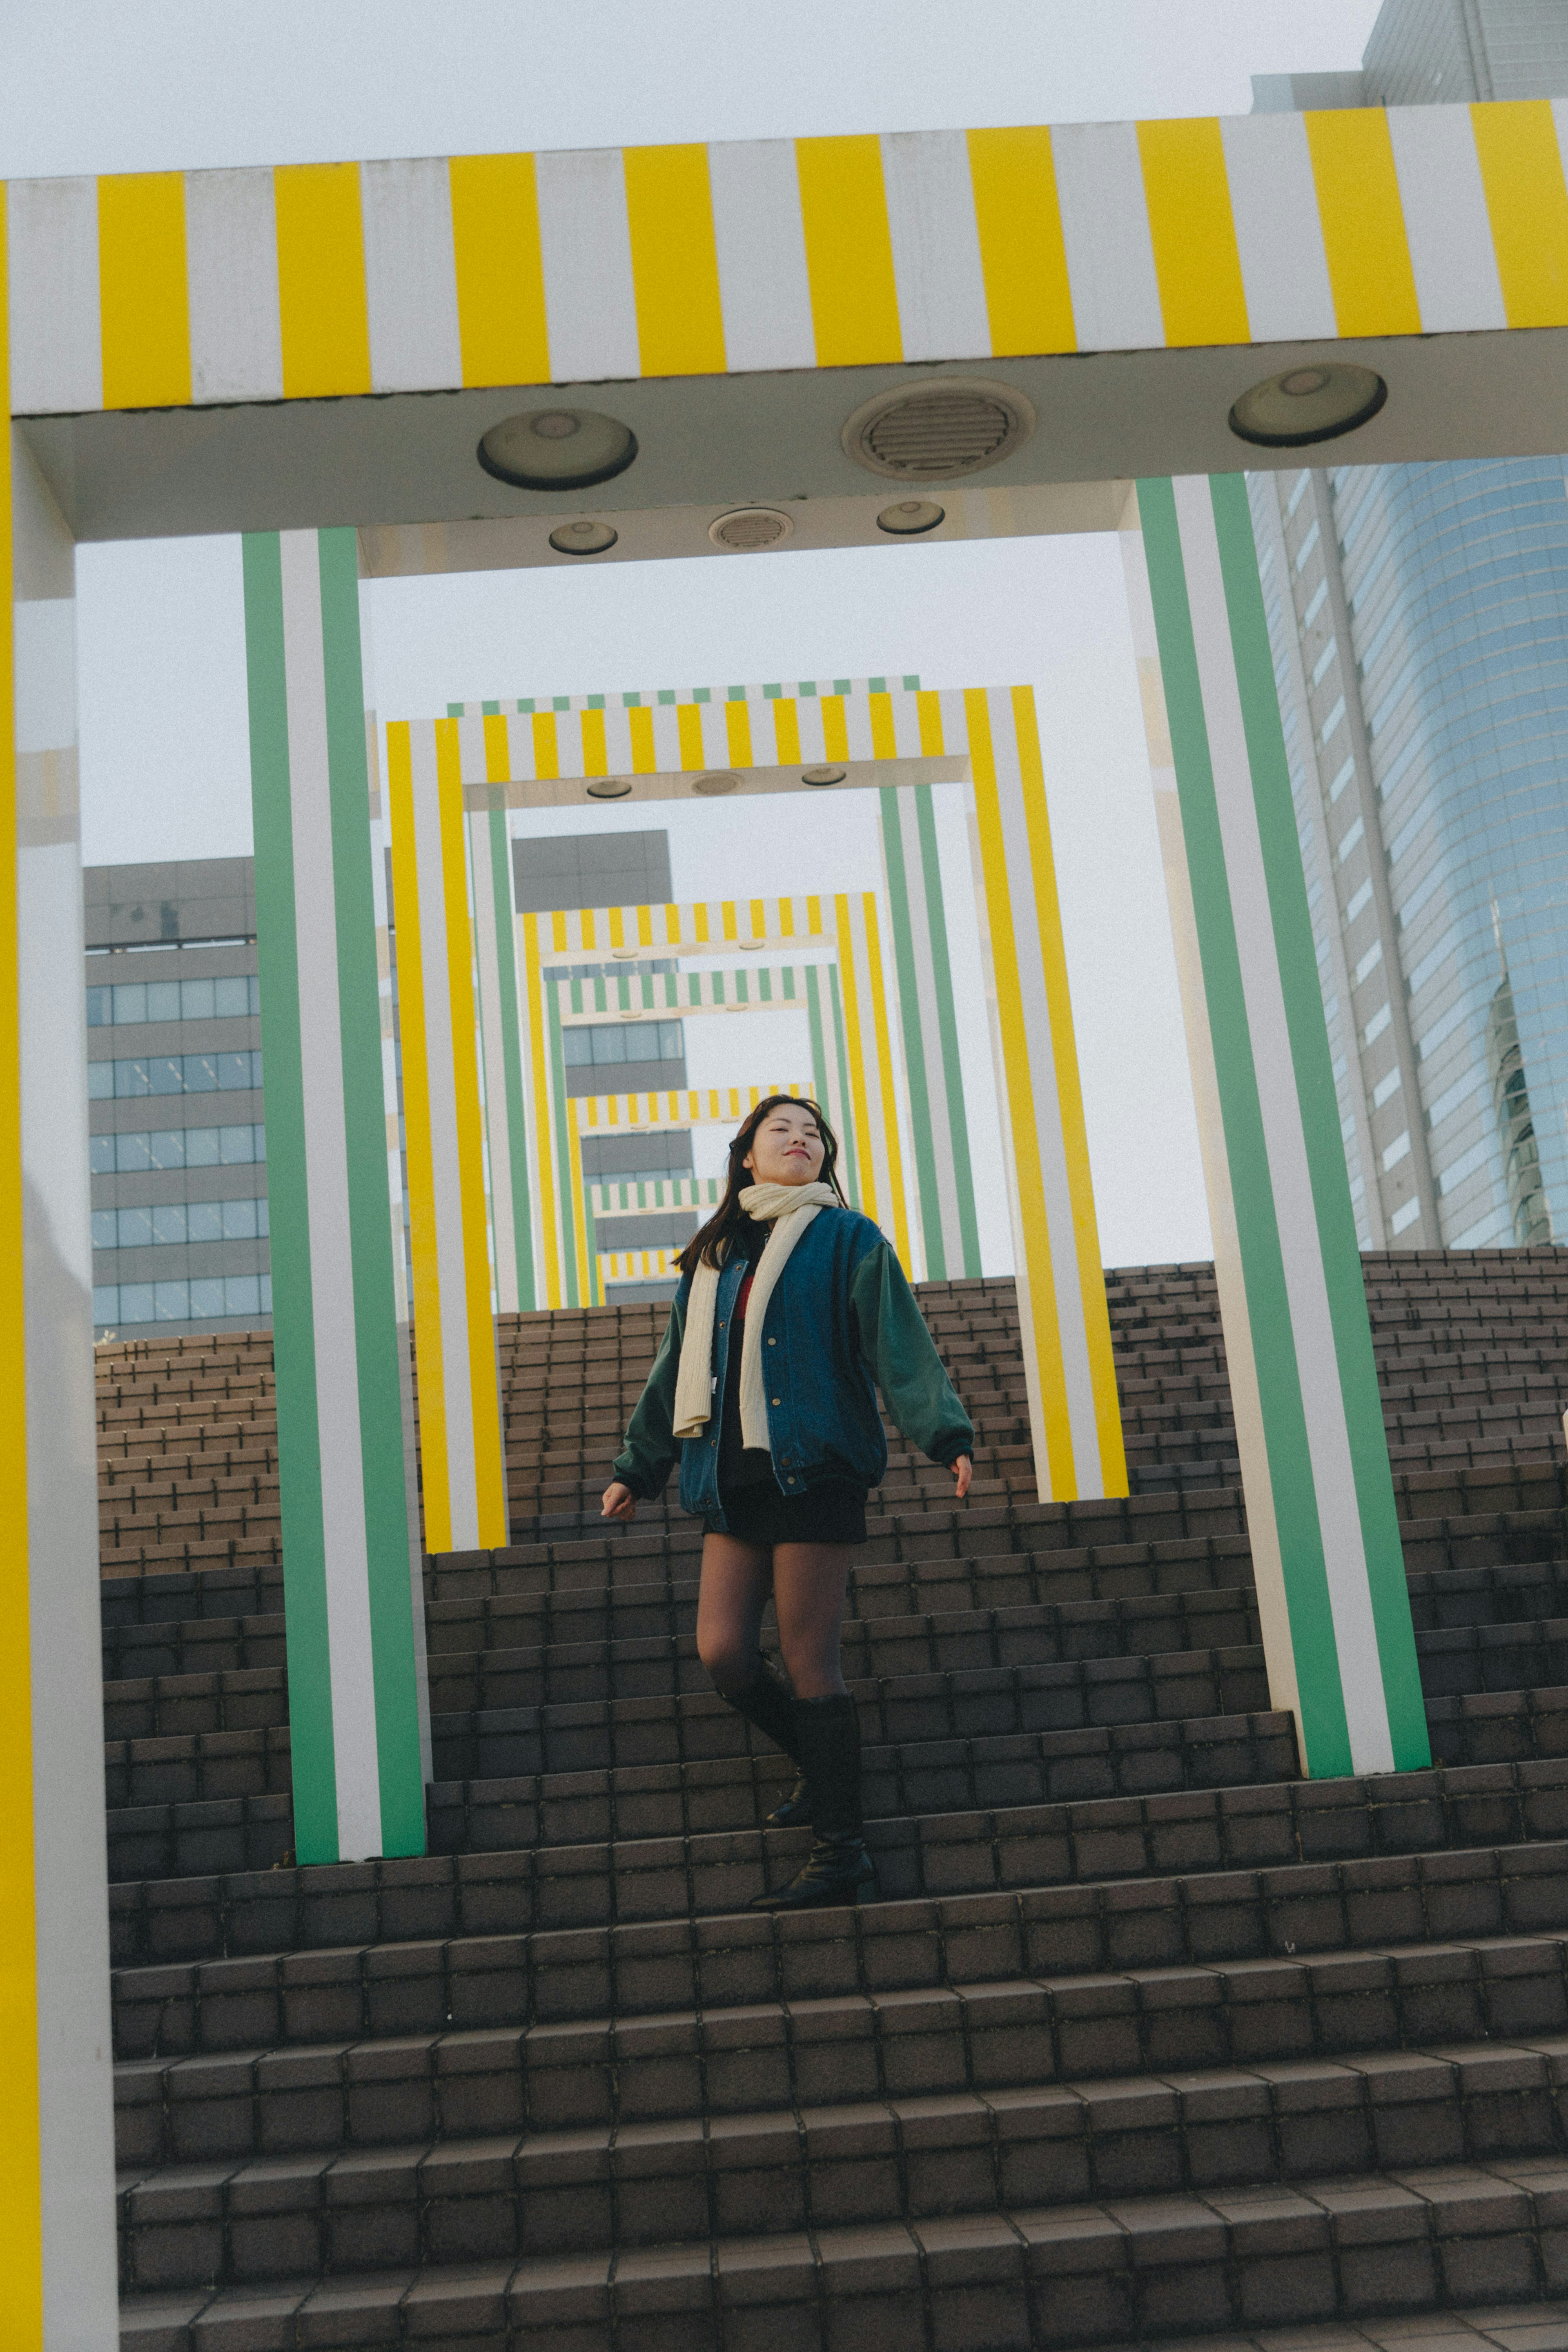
(910, 516)
(939, 430)
(583, 537)
(1308, 403)
(746, 530)
(719, 780)
(609, 787)
(823, 775)
(556, 450)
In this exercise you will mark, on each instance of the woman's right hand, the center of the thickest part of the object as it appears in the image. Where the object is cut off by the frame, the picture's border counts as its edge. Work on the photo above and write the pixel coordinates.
(618, 1503)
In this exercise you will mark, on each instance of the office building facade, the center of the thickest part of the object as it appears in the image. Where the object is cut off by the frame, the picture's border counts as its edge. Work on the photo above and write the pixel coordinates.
(1418, 622)
(177, 1134)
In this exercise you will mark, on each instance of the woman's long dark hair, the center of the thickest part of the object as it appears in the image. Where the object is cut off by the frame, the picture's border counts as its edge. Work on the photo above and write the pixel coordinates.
(707, 1241)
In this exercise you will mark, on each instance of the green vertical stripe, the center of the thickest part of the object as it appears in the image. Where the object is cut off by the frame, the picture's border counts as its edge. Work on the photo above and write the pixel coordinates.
(814, 1028)
(369, 1233)
(947, 1027)
(849, 1158)
(288, 1211)
(1311, 1062)
(921, 1137)
(1325, 1731)
(512, 1057)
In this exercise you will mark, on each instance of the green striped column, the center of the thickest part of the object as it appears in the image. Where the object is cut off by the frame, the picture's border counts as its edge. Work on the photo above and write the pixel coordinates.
(930, 1030)
(1332, 1593)
(359, 1709)
(500, 1037)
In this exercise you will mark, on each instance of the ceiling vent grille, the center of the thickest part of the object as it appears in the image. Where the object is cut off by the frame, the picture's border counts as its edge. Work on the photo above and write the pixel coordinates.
(938, 431)
(748, 529)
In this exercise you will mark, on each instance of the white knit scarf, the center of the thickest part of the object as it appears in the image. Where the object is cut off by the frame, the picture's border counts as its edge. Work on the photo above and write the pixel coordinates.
(789, 1209)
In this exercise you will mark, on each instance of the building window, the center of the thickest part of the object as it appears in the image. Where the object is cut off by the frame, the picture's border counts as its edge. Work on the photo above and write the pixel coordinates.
(177, 1147)
(175, 1074)
(622, 1041)
(234, 999)
(180, 1221)
(214, 1299)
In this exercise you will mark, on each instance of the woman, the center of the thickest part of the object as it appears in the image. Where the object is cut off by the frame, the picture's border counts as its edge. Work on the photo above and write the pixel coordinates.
(779, 1438)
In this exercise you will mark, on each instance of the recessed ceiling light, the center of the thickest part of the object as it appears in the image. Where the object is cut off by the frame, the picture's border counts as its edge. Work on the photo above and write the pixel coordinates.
(751, 943)
(722, 780)
(583, 537)
(823, 775)
(748, 529)
(1317, 402)
(556, 450)
(609, 787)
(626, 955)
(939, 430)
(910, 516)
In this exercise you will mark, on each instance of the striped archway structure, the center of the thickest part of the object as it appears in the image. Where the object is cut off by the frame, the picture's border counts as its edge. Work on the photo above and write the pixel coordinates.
(254, 351)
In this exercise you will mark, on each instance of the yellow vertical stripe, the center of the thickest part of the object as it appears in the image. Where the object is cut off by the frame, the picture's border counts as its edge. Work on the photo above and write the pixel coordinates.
(881, 1029)
(549, 1230)
(579, 1212)
(689, 730)
(855, 1052)
(1197, 264)
(484, 1398)
(588, 926)
(758, 918)
(142, 299)
(929, 710)
(835, 728)
(21, 2147)
(786, 732)
(1521, 172)
(1369, 275)
(1022, 1137)
(738, 731)
(322, 309)
(595, 754)
(1024, 258)
(849, 252)
(1069, 1098)
(546, 757)
(497, 748)
(884, 734)
(674, 261)
(425, 1260)
(645, 758)
(501, 321)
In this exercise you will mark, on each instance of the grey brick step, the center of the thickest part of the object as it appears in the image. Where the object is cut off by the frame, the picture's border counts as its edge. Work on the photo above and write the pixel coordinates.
(1306, 1960)
(1190, 2031)
(1128, 2273)
(895, 1664)
(227, 1890)
(731, 1791)
(508, 2191)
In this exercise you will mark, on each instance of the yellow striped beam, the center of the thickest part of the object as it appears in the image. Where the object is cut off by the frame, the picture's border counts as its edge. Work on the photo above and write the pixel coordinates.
(310, 281)
(463, 1451)
(634, 1265)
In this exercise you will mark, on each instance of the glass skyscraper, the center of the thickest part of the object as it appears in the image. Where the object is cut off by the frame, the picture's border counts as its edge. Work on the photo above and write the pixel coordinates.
(1418, 619)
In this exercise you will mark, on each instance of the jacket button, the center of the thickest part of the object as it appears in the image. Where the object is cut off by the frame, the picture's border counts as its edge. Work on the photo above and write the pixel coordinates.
(773, 1343)
(790, 1482)
(777, 1400)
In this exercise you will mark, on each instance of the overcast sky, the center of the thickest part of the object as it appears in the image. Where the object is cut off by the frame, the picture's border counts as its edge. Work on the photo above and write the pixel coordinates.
(191, 83)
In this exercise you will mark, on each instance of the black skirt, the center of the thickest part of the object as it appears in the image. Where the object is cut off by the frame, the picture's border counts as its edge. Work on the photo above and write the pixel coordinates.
(833, 1513)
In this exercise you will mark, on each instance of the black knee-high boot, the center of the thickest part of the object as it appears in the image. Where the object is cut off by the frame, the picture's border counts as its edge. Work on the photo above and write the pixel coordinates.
(767, 1705)
(839, 1870)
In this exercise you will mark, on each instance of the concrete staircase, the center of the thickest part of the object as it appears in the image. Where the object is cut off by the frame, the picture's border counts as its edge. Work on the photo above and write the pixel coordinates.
(1147, 2038)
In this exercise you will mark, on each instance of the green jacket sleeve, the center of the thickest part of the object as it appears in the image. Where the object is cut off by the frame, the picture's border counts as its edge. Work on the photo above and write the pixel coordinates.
(901, 1353)
(652, 1449)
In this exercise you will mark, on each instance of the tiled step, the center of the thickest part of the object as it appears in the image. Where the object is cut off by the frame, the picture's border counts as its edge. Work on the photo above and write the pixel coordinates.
(1473, 2028)
(1119, 2274)
(224, 1894)
(911, 2156)
(1459, 1943)
(169, 1787)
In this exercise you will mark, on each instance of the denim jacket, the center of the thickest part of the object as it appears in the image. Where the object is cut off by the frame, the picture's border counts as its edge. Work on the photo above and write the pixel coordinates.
(842, 1322)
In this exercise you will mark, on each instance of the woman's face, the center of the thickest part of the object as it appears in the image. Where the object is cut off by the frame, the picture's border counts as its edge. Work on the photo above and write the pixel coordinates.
(788, 1147)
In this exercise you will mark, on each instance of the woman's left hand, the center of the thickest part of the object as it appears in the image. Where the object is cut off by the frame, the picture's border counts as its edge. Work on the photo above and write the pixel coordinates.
(962, 1471)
